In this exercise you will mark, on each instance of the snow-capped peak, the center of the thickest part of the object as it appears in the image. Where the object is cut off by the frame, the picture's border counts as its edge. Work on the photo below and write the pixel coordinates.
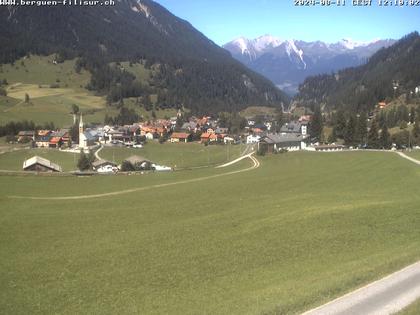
(242, 43)
(266, 41)
(292, 48)
(352, 44)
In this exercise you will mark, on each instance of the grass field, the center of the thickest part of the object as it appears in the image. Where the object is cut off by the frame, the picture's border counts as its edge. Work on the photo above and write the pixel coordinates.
(35, 76)
(13, 161)
(412, 309)
(414, 154)
(296, 232)
(179, 155)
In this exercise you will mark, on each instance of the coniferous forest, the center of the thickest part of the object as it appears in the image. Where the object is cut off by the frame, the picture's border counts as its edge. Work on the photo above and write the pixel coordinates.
(191, 70)
(388, 74)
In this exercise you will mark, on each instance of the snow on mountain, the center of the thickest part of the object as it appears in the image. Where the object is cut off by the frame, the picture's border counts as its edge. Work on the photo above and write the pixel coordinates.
(352, 44)
(242, 43)
(289, 62)
(266, 41)
(291, 48)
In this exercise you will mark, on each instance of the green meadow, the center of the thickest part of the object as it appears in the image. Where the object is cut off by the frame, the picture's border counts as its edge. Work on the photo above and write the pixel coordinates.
(414, 154)
(54, 88)
(412, 309)
(298, 231)
(177, 155)
(13, 161)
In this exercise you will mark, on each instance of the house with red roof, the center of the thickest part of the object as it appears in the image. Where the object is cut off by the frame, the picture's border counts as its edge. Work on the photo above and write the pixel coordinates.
(180, 137)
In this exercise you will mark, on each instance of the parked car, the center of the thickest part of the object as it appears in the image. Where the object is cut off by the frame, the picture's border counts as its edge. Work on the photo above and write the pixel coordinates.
(137, 146)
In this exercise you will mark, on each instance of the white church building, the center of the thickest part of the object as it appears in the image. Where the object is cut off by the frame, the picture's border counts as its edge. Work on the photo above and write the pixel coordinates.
(86, 140)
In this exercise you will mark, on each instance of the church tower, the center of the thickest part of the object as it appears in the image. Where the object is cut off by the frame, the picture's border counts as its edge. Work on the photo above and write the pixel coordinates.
(82, 138)
(81, 124)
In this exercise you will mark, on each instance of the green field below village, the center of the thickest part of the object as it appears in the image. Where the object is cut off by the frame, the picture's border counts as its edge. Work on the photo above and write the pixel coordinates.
(177, 155)
(13, 161)
(298, 231)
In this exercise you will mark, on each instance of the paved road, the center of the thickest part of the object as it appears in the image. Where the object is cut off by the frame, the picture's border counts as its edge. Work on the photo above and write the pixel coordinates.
(97, 152)
(408, 158)
(386, 296)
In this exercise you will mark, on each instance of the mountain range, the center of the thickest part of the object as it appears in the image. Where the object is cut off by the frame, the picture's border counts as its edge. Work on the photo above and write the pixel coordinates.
(389, 73)
(288, 62)
(188, 69)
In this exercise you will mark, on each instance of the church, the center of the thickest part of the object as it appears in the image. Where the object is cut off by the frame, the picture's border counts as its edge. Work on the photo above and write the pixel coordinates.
(86, 140)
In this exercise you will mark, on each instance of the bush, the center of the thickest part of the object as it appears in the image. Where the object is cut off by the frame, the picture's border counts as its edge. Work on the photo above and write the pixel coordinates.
(127, 167)
(10, 138)
(262, 150)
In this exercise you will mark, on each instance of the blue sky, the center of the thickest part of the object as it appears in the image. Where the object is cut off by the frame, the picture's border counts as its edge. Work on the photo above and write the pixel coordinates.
(222, 21)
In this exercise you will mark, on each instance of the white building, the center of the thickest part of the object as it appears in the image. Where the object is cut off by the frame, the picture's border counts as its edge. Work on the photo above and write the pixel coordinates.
(252, 139)
(85, 138)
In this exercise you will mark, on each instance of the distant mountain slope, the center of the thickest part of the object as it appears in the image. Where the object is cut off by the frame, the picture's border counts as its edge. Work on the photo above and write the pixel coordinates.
(361, 88)
(193, 70)
(288, 62)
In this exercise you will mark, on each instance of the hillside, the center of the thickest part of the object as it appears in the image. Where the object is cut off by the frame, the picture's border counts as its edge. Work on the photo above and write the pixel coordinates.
(288, 62)
(188, 68)
(389, 73)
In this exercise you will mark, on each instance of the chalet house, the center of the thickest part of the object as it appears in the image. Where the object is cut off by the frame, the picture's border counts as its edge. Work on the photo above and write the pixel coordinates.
(277, 142)
(180, 137)
(39, 164)
(327, 148)
(103, 166)
(295, 128)
(55, 142)
(221, 130)
(382, 105)
(26, 135)
(208, 137)
(42, 139)
(190, 126)
(305, 118)
(58, 138)
(252, 139)
(205, 137)
(213, 138)
(228, 139)
(149, 136)
(258, 131)
(139, 162)
(251, 122)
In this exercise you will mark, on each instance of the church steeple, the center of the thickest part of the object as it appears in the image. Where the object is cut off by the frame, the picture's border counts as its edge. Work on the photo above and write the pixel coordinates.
(81, 127)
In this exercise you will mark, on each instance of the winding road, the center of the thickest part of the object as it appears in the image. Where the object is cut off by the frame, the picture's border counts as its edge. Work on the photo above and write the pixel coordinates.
(386, 296)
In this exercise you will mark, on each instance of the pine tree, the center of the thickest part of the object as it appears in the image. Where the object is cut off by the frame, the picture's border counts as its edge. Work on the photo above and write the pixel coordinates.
(416, 132)
(373, 135)
(412, 115)
(340, 124)
(385, 138)
(279, 120)
(316, 125)
(83, 164)
(362, 128)
(350, 131)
